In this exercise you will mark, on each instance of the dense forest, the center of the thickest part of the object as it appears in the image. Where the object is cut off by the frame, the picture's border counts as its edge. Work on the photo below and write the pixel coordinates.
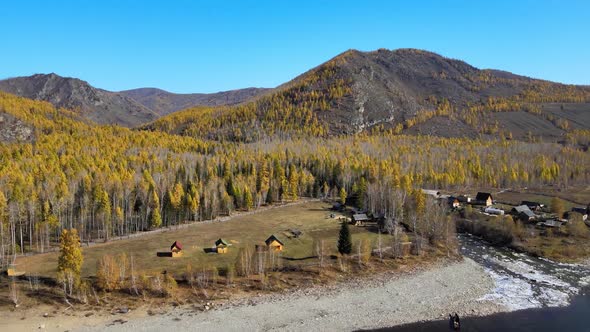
(108, 181)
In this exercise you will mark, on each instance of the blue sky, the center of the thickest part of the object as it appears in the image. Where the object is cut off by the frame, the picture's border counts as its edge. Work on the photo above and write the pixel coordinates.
(208, 46)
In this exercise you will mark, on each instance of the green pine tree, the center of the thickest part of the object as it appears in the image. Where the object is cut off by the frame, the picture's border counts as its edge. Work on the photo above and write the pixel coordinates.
(344, 240)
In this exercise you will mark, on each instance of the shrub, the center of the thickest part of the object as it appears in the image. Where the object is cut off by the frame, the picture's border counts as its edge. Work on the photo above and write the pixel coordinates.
(108, 274)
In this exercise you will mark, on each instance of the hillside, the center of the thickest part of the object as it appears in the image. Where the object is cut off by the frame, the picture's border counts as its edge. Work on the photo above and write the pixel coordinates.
(129, 108)
(164, 102)
(97, 105)
(404, 90)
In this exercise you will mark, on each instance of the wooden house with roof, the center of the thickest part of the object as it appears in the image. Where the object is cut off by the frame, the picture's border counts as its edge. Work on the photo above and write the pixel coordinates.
(176, 249)
(484, 199)
(221, 246)
(360, 219)
(523, 212)
(273, 243)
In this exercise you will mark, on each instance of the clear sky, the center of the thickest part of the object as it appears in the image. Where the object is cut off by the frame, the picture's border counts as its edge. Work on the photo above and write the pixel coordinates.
(207, 46)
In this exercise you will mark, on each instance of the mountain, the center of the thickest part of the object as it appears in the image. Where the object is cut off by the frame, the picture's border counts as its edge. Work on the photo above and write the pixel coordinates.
(97, 105)
(164, 102)
(126, 108)
(405, 91)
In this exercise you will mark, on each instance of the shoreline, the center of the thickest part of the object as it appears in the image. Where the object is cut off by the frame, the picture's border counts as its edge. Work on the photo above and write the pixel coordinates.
(394, 298)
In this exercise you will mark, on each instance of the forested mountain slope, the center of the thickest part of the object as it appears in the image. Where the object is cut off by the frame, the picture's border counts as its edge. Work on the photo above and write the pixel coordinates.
(164, 102)
(404, 90)
(109, 180)
(97, 105)
(129, 108)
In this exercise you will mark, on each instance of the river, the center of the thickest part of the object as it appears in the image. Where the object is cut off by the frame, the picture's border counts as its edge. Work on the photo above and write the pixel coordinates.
(543, 295)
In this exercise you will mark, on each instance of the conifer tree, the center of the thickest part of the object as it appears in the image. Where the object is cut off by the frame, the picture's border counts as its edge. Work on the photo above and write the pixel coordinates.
(70, 260)
(248, 200)
(342, 195)
(344, 239)
(269, 198)
(155, 217)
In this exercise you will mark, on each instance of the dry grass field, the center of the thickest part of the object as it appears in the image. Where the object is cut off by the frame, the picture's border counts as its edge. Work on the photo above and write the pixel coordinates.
(313, 219)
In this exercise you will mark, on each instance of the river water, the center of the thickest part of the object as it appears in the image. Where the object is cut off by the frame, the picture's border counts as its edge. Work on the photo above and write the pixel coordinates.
(543, 295)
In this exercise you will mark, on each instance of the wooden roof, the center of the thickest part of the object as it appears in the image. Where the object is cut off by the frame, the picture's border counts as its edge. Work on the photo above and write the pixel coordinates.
(176, 244)
(271, 239)
(221, 242)
(483, 196)
(360, 217)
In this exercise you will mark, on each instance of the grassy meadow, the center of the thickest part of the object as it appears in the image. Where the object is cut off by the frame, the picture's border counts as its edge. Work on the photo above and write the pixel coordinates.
(312, 218)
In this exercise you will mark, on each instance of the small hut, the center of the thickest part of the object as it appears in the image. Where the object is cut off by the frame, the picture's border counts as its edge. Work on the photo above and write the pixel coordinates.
(221, 245)
(176, 249)
(360, 219)
(273, 243)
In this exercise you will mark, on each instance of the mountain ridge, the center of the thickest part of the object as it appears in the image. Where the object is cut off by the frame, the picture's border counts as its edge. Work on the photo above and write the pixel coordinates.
(394, 89)
(164, 102)
(98, 105)
(129, 108)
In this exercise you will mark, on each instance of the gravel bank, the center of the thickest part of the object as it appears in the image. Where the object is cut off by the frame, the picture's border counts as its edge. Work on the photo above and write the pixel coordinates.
(424, 295)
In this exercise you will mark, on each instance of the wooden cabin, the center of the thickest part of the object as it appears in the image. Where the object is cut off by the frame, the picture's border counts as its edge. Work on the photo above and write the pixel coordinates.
(176, 249)
(273, 243)
(360, 219)
(523, 212)
(221, 245)
(484, 199)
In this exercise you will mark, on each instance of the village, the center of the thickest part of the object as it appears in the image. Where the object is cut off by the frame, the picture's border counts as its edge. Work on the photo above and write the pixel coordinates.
(479, 208)
(532, 212)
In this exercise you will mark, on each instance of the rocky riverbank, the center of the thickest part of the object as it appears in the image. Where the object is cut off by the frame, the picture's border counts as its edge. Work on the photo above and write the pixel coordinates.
(388, 300)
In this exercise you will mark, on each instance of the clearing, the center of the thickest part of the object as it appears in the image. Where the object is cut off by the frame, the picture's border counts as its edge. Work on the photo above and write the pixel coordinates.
(312, 219)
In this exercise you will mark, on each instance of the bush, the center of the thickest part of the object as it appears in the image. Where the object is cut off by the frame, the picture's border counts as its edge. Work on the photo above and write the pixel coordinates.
(577, 228)
(108, 273)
